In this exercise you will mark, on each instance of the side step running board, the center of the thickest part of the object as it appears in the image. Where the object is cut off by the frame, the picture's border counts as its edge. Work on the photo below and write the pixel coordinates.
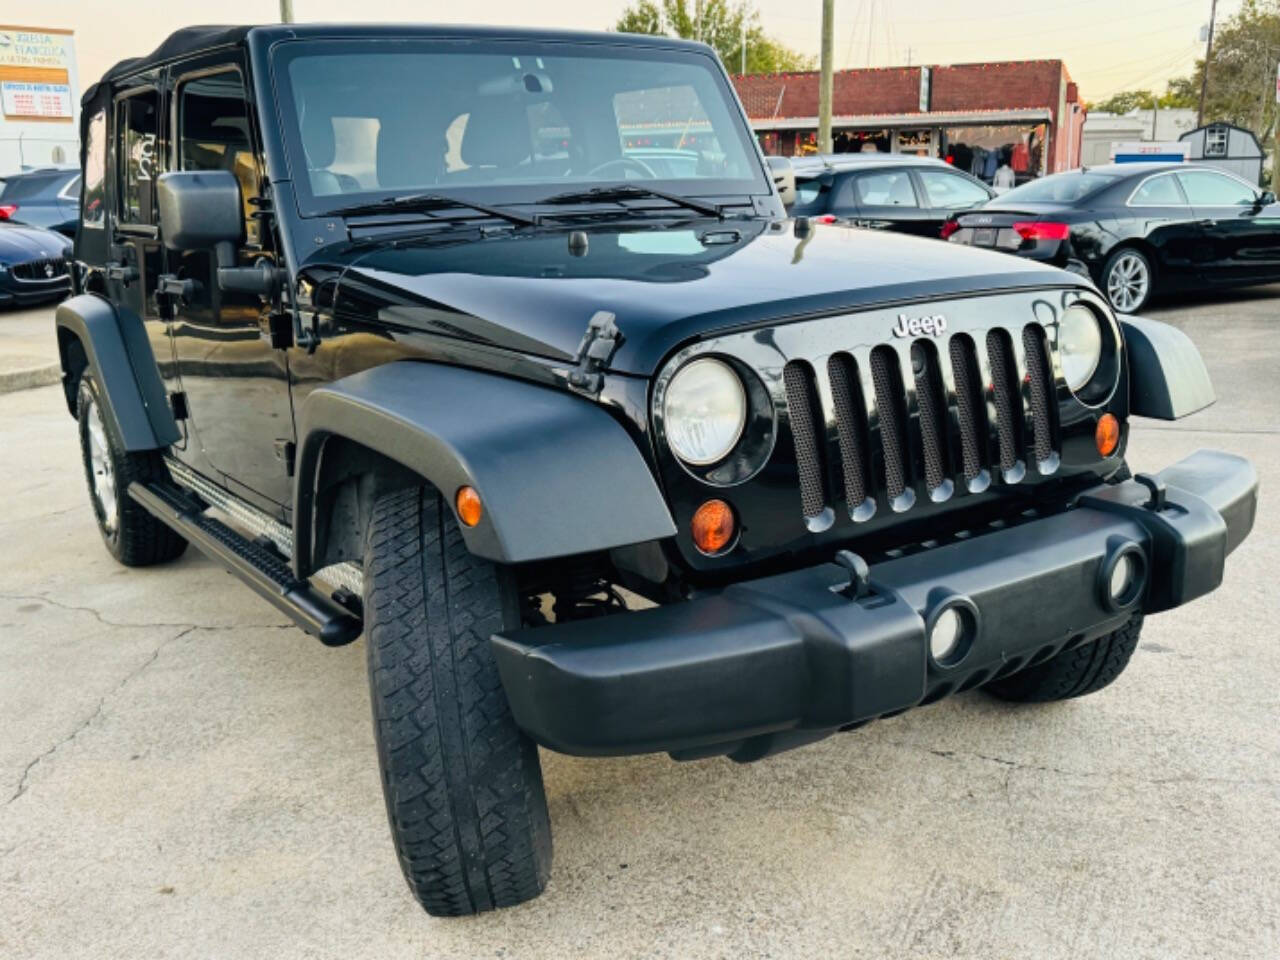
(262, 569)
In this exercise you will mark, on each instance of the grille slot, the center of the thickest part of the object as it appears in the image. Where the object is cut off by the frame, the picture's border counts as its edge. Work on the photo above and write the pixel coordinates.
(886, 374)
(802, 405)
(1005, 393)
(970, 410)
(932, 405)
(1039, 377)
(851, 421)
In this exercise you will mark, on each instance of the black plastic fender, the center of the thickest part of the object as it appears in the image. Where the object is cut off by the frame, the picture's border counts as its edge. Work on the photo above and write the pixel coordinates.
(119, 353)
(557, 475)
(1167, 376)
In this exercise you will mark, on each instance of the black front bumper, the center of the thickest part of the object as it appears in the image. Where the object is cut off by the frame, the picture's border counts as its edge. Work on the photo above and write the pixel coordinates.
(788, 659)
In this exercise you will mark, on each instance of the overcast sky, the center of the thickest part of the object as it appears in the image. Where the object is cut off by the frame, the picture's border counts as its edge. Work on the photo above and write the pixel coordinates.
(1108, 45)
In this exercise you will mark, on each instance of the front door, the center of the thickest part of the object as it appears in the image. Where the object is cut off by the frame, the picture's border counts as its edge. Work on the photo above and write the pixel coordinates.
(1243, 235)
(236, 384)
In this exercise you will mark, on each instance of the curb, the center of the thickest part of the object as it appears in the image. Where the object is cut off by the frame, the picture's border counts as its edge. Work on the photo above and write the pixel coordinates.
(12, 380)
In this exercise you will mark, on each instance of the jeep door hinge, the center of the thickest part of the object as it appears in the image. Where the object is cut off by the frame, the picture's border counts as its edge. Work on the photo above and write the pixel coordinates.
(178, 404)
(594, 352)
(286, 450)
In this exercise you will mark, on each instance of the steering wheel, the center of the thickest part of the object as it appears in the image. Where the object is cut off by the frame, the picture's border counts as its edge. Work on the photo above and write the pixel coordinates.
(646, 171)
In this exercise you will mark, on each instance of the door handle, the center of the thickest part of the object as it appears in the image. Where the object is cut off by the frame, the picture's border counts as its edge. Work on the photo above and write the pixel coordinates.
(1205, 223)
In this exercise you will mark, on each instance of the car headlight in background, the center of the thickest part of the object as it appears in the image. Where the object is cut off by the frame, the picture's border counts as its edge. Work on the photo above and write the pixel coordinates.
(1079, 345)
(704, 411)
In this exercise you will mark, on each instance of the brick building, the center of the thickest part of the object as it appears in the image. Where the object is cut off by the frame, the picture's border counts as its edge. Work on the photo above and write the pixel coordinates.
(1026, 113)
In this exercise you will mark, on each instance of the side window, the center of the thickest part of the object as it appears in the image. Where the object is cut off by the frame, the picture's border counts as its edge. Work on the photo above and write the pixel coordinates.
(888, 188)
(92, 197)
(807, 192)
(137, 119)
(947, 191)
(213, 134)
(1205, 189)
(1158, 192)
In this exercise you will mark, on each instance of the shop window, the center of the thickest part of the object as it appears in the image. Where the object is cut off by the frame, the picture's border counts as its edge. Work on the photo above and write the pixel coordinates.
(136, 119)
(213, 118)
(1216, 138)
(95, 171)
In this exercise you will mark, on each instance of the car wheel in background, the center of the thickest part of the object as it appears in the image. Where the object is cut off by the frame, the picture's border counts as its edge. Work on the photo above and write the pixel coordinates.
(1128, 279)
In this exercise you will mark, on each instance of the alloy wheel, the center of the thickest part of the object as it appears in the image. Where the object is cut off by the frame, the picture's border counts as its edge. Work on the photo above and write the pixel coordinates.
(1128, 282)
(100, 466)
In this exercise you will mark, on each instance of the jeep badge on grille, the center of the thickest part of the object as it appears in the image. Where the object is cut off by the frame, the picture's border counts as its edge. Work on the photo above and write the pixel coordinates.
(934, 326)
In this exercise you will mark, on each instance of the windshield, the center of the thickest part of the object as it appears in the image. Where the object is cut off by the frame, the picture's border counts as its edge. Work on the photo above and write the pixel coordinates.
(506, 122)
(1058, 188)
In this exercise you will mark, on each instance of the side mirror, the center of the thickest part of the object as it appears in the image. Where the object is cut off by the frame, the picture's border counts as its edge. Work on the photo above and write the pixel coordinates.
(202, 209)
(199, 209)
(784, 179)
(1266, 199)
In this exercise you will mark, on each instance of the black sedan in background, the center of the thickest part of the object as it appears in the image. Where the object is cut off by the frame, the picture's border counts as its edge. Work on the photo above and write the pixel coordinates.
(33, 265)
(1136, 228)
(48, 198)
(884, 191)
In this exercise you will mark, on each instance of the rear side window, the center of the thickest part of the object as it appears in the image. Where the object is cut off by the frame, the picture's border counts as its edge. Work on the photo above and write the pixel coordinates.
(1205, 189)
(137, 124)
(948, 191)
(1158, 192)
(92, 209)
(807, 191)
(891, 188)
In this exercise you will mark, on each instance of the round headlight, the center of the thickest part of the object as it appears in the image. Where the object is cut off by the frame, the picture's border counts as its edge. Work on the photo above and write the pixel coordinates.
(704, 411)
(1079, 345)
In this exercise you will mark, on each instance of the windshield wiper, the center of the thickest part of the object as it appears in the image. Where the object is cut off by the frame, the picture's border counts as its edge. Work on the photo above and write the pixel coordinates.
(617, 192)
(426, 202)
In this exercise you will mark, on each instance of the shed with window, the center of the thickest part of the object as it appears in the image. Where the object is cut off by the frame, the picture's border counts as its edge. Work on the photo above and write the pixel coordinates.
(1227, 147)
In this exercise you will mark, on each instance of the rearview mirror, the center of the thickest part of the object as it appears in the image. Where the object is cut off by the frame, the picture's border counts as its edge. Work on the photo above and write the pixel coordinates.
(784, 179)
(199, 209)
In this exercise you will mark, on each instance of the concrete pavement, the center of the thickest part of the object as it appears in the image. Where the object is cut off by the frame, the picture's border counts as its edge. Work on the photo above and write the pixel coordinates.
(28, 349)
(183, 775)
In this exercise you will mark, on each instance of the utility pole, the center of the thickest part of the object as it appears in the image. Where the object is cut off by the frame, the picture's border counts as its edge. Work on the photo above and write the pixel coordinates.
(286, 11)
(825, 83)
(743, 71)
(1208, 52)
(697, 20)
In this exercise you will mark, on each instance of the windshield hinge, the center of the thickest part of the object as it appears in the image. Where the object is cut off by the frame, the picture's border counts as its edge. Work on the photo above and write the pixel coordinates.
(594, 352)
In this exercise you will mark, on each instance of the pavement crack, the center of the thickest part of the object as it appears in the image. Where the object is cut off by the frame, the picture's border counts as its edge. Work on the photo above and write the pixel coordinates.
(107, 622)
(97, 712)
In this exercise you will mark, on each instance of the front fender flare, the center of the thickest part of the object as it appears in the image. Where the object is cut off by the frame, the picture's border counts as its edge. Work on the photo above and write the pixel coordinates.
(556, 473)
(119, 353)
(1167, 376)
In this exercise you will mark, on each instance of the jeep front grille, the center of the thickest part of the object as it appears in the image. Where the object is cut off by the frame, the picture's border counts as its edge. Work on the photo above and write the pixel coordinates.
(884, 423)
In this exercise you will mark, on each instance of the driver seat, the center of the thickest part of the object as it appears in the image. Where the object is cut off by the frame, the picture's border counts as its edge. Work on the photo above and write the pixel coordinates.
(496, 139)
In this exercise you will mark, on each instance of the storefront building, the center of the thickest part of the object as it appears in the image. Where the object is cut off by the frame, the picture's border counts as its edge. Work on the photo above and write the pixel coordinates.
(39, 99)
(978, 116)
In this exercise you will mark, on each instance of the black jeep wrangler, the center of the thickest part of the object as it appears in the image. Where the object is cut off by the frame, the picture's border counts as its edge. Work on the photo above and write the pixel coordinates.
(499, 347)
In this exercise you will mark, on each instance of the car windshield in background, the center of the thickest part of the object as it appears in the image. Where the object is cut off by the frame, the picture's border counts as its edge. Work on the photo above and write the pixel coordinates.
(518, 121)
(1058, 188)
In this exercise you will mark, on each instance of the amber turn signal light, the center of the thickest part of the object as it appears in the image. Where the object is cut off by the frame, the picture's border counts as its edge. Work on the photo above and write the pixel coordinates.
(1107, 435)
(469, 507)
(713, 527)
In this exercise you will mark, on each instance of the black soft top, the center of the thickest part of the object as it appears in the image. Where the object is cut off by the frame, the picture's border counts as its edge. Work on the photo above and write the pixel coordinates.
(177, 44)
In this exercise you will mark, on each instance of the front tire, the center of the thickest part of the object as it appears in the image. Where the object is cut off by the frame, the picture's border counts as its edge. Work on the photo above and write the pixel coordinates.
(1128, 279)
(1073, 673)
(134, 536)
(462, 783)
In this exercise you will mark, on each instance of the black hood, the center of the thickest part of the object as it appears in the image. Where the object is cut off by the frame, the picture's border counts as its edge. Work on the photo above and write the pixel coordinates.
(21, 244)
(528, 292)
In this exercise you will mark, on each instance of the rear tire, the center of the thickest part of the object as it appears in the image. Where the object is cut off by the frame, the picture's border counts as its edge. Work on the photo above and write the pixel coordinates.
(134, 536)
(1073, 673)
(462, 783)
(1128, 280)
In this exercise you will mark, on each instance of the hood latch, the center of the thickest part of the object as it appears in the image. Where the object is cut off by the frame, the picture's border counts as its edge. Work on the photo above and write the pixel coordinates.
(594, 352)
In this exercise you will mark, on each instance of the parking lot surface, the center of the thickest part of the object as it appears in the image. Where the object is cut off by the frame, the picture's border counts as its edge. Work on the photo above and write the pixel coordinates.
(182, 774)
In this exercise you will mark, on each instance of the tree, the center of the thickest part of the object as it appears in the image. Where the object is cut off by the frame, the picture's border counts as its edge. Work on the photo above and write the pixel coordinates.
(1178, 93)
(720, 24)
(1242, 73)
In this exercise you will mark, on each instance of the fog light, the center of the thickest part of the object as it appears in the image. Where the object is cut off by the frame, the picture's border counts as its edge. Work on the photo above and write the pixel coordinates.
(1121, 578)
(713, 527)
(945, 637)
